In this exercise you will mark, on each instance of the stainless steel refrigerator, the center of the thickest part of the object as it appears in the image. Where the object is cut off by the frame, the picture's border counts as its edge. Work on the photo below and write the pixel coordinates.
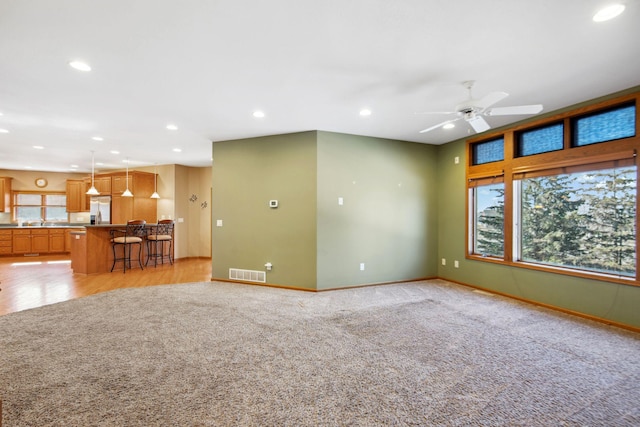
(100, 209)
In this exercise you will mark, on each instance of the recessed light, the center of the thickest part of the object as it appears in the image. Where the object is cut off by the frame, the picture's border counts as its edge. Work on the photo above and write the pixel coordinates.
(99, 163)
(114, 152)
(80, 66)
(74, 166)
(365, 112)
(4, 131)
(258, 114)
(609, 12)
(38, 147)
(172, 127)
(97, 138)
(177, 150)
(448, 126)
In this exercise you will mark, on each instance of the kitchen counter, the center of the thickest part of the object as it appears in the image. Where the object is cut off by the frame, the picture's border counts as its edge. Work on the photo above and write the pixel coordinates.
(91, 249)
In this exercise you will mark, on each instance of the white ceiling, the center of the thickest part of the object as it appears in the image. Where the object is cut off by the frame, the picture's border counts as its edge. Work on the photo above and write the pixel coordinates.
(206, 65)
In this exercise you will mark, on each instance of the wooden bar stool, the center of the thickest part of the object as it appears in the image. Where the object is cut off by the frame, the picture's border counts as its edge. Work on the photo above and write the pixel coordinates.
(133, 234)
(161, 234)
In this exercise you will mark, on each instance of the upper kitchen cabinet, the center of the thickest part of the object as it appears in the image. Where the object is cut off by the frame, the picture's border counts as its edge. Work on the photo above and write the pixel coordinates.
(76, 197)
(140, 206)
(103, 185)
(140, 183)
(5, 194)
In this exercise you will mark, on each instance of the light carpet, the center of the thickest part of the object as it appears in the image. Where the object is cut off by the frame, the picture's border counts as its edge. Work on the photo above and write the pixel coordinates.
(219, 354)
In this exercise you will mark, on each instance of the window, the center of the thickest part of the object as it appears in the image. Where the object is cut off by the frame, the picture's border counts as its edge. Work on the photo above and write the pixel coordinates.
(561, 195)
(541, 140)
(488, 220)
(581, 220)
(488, 151)
(617, 123)
(50, 207)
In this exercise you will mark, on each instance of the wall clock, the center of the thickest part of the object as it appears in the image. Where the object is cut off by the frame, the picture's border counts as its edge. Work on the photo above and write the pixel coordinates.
(41, 182)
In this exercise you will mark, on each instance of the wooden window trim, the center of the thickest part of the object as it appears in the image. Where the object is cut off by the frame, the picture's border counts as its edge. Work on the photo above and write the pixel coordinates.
(570, 159)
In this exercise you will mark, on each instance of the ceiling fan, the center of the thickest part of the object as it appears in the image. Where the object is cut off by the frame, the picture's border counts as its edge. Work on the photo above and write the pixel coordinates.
(473, 110)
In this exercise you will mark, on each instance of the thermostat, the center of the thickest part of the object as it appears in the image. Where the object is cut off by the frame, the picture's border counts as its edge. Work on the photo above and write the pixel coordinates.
(273, 203)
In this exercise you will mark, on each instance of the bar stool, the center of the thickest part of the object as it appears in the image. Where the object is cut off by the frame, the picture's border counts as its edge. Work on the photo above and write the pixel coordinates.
(134, 233)
(163, 233)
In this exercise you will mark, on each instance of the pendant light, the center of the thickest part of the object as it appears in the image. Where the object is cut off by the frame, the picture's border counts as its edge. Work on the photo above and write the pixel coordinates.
(93, 191)
(127, 192)
(155, 194)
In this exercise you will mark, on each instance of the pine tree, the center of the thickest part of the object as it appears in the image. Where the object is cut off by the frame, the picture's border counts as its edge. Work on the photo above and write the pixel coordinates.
(611, 210)
(490, 232)
(552, 228)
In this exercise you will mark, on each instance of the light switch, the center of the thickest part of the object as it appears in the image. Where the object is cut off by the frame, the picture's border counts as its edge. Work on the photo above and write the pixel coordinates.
(219, 223)
(340, 201)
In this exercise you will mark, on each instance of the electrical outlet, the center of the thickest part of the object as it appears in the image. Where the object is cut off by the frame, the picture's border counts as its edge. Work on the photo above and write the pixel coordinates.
(362, 266)
(456, 160)
(456, 264)
(444, 261)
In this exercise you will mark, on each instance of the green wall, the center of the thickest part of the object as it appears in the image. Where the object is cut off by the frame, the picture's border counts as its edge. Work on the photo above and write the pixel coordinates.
(388, 217)
(387, 221)
(246, 174)
(615, 302)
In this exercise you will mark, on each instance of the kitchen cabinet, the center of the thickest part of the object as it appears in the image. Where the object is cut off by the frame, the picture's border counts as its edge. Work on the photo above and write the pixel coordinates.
(119, 184)
(30, 241)
(76, 197)
(140, 206)
(5, 194)
(103, 185)
(5, 242)
(57, 240)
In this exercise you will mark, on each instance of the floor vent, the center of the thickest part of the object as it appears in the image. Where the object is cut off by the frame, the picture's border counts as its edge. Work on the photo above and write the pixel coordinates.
(247, 275)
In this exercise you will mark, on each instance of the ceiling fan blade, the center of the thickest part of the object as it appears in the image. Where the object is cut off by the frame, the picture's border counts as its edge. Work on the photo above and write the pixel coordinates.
(439, 125)
(521, 109)
(478, 124)
(490, 99)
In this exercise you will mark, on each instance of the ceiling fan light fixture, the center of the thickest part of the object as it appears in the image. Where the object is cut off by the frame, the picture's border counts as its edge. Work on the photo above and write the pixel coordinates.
(608, 12)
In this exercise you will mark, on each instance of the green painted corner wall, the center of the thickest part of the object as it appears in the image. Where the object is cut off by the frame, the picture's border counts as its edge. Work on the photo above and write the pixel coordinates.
(246, 175)
(387, 219)
(604, 300)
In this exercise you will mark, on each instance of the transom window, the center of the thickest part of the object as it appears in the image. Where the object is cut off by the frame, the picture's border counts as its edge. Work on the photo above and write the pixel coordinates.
(563, 197)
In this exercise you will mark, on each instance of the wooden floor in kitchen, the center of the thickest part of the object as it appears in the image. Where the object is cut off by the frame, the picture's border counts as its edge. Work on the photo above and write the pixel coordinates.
(29, 282)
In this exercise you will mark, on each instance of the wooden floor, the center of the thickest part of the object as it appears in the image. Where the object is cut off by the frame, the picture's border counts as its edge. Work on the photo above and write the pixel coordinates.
(29, 282)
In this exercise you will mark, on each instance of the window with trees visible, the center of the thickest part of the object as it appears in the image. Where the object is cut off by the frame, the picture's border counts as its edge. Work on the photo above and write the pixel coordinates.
(563, 197)
(34, 207)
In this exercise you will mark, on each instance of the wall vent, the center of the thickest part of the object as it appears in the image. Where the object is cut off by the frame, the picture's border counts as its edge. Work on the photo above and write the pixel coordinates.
(247, 275)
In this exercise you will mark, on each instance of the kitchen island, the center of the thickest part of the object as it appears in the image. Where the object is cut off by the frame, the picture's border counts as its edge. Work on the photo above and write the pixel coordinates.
(91, 250)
